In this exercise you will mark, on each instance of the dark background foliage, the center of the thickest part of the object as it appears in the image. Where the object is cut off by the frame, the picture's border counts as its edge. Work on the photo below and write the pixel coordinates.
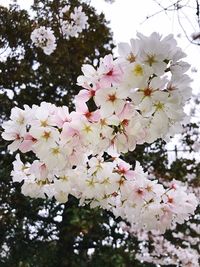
(43, 233)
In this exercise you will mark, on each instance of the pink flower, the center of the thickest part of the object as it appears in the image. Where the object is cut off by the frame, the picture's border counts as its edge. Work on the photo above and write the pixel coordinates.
(124, 169)
(27, 143)
(110, 72)
(110, 100)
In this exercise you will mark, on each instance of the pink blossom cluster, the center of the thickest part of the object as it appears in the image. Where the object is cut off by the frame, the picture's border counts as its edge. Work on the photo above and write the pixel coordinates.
(154, 247)
(162, 252)
(146, 86)
(44, 38)
(134, 99)
(71, 25)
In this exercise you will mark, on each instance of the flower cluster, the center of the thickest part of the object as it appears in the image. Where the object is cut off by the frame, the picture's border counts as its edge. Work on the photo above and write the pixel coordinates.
(44, 38)
(134, 99)
(156, 249)
(72, 23)
(164, 252)
(146, 83)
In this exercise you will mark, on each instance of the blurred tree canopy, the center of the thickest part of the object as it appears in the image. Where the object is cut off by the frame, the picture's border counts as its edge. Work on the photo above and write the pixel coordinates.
(43, 233)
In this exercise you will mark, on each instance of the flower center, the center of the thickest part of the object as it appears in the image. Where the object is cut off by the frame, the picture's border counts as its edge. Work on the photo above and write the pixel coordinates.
(148, 91)
(44, 123)
(125, 122)
(170, 200)
(46, 135)
(131, 58)
(55, 151)
(151, 60)
(138, 70)
(88, 115)
(110, 73)
(159, 106)
(140, 191)
(112, 98)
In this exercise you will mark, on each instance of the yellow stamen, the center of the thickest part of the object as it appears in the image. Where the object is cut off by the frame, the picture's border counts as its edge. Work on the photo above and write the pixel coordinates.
(138, 70)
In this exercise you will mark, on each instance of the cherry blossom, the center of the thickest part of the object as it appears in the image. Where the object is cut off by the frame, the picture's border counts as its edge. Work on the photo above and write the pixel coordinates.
(137, 98)
(44, 38)
(71, 24)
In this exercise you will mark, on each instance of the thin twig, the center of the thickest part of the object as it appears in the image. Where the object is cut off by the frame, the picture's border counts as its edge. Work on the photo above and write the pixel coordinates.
(198, 12)
(183, 29)
(164, 9)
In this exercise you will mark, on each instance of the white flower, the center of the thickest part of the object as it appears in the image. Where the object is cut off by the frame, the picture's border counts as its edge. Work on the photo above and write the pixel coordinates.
(64, 10)
(45, 137)
(153, 52)
(180, 85)
(53, 156)
(62, 187)
(148, 94)
(44, 38)
(33, 190)
(136, 74)
(129, 52)
(72, 24)
(110, 100)
(80, 18)
(20, 170)
(91, 76)
(16, 128)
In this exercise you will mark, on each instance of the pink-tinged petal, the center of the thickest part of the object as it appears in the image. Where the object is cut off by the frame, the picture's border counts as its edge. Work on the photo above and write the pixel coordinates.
(27, 143)
(92, 116)
(108, 60)
(127, 112)
(81, 107)
(43, 170)
(26, 146)
(88, 70)
(14, 145)
(39, 169)
(42, 114)
(129, 174)
(83, 95)
(107, 110)
(82, 98)
(9, 136)
(60, 117)
(95, 116)
(119, 106)
(68, 131)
